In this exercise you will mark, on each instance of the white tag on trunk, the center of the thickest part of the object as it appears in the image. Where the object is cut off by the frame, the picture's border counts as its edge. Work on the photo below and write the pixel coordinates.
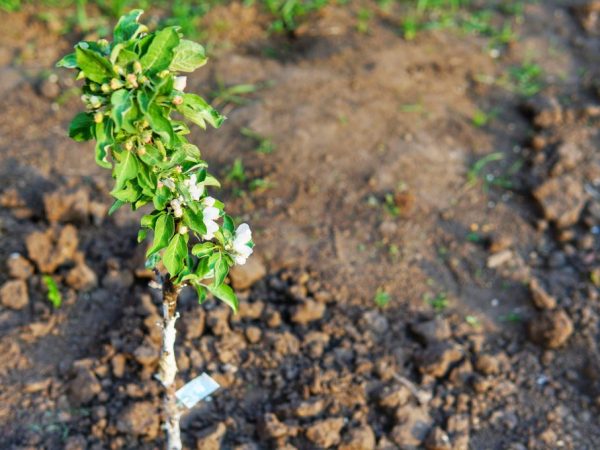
(196, 390)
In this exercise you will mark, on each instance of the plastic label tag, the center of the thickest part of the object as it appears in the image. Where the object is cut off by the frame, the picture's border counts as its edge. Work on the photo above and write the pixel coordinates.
(197, 389)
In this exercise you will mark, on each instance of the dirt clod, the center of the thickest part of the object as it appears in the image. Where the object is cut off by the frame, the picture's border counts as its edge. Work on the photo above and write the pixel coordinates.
(308, 311)
(82, 278)
(412, 426)
(53, 247)
(67, 205)
(437, 358)
(551, 329)
(83, 387)
(13, 294)
(361, 438)
(562, 199)
(432, 331)
(243, 277)
(437, 439)
(140, 419)
(325, 433)
(210, 438)
(19, 267)
(541, 299)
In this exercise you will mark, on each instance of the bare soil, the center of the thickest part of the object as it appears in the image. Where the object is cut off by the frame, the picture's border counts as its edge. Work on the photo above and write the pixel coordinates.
(490, 337)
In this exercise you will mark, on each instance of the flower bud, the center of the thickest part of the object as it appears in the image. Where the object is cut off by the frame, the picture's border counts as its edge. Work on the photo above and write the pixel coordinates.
(95, 101)
(141, 151)
(118, 69)
(128, 145)
(137, 67)
(160, 184)
(105, 88)
(177, 100)
(183, 229)
(147, 136)
(94, 87)
(98, 117)
(144, 123)
(142, 79)
(178, 169)
(132, 80)
(180, 83)
(116, 84)
(164, 73)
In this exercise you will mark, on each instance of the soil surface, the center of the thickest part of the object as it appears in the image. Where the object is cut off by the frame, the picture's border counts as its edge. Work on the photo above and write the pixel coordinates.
(490, 273)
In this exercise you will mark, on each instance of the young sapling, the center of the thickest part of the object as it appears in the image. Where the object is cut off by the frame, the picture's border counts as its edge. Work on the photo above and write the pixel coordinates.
(135, 99)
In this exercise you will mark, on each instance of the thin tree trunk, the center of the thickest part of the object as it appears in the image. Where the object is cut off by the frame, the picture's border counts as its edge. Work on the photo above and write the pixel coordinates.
(167, 368)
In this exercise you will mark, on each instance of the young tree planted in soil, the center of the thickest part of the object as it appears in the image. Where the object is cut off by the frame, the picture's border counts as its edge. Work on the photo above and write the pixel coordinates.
(131, 89)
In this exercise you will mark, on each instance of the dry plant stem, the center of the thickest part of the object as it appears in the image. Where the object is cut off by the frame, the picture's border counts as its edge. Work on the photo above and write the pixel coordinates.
(168, 366)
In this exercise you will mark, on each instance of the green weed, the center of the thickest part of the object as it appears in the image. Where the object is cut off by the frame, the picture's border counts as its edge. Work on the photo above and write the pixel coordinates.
(53, 294)
(263, 144)
(382, 298)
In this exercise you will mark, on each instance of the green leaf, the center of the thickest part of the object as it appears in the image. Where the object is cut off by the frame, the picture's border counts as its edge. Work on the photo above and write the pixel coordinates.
(163, 231)
(159, 123)
(121, 104)
(197, 110)
(161, 197)
(116, 205)
(194, 221)
(82, 126)
(159, 55)
(221, 271)
(128, 26)
(204, 249)
(188, 56)
(142, 235)
(228, 224)
(68, 61)
(225, 294)
(53, 295)
(93, 65)
(102, 145)
(126, 169)
(127, 193)
(175, 253)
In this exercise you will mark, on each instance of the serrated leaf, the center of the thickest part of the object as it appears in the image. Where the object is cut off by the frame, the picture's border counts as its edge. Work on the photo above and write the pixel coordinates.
(127, 193)
(161, 197)
(175, 254)
(141, 235)
(159, 55)
(101, 145)
(221, 271)
(121, 104)
(225, 294)
(82, 127)
(93, 65)
(197, 110)
(163, 231)
(126, 169)
(188, 56)
(128, 27)
(159, 123)
(203, 249)
(68, 61)
(194, 221)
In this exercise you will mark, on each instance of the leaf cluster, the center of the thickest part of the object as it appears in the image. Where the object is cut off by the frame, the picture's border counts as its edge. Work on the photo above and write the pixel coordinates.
(137, 113)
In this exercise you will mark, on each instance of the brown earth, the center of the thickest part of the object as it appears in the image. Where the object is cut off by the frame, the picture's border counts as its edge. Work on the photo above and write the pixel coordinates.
(490, 338)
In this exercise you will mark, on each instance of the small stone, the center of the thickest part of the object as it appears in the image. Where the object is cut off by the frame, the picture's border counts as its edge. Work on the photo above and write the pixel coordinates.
(551, 328)
(360, 438)
(84, 387)
(118, 363)
(19, 267)
(76, 443)
(325, 433)
(437, 439)
(49, 88)
(540, 297)
(244, 276)
(218, 321)
(211, 438)
(392, 397)
(488, 364)
(309, 408)
(562, 199)
(273, 427)
(375, 322)
(432, 331)
(146, 355)
(308, 311)
(118, 280)
(437, 358)
(13, 294)
(413, 424)
(253, 334)
(140, 419)
(82, 278)
(251, 311)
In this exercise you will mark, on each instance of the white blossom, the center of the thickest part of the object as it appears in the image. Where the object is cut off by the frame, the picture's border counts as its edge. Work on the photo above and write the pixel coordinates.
(177, 209)
(180, 83)
(195, 189)
(209, 215)
(241, 241)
